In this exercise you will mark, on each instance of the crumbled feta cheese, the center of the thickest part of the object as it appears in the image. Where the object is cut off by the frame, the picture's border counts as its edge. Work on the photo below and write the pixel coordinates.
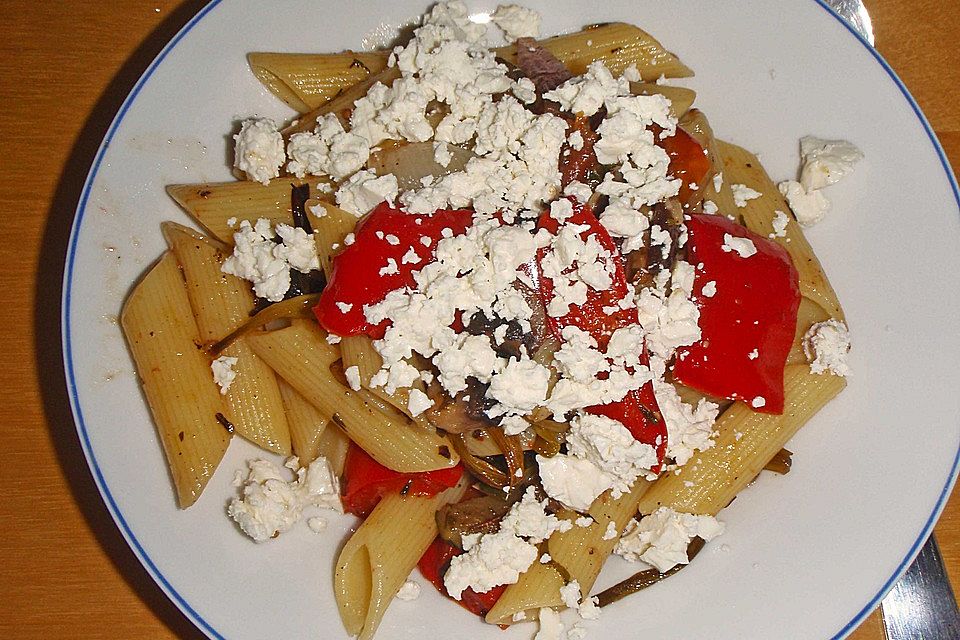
(808, 206)
(493, 559)
(223, 372)
(574, 482)
(758, 402)
(744, 247)
(516, 21)
(587, 93)
(550, 626)
(689, 429)
(780, 222)
(661, 538)
(266, 263)
(826, 345)
(611, 531)
(364, 191)
(570, 593)
(519, 387)
(441, 154)
(742, 194)
(270, 504)
(709, 289)
(344, 307)
(546, 559)
(718, 181)
(710, 207)
(753, 355)
(259, 149)
(352, 374)
(670, 321)
(409, 590)
(418, 402)
(825, 162)
(584, 521)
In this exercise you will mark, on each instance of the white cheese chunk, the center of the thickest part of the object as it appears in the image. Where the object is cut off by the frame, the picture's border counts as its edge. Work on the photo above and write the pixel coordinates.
(223, 372)
(661, 538)
(258, 151)
(270, 504)
(827, 345)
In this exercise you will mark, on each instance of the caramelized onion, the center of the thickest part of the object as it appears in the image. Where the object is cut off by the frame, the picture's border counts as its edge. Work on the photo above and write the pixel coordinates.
(411, 162)
(643, 579)
(480, 468)
(780, 462)
(299, 307)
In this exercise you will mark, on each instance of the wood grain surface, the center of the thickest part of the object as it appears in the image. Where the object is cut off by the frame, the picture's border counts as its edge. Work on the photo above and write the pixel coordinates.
(65, 570)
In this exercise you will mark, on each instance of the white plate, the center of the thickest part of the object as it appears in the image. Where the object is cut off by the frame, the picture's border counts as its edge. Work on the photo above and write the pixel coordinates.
(805, 556)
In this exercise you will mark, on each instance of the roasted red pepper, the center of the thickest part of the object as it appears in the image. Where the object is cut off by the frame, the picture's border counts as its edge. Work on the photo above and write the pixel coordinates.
(357, 279)
(748, 324)
(640, 414)
(590, 316)
(434, 564)
(638, 410)
(688, 162)
(366, 481)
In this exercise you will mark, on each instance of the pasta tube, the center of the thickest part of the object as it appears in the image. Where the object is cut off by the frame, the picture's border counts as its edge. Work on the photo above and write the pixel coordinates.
(377, 559)
(313, 83)
(301, 356)
(214, 204)
(221, 303)
(306, 81)
(745, 442)
(176, 379)
(580, 552)
(307, 424)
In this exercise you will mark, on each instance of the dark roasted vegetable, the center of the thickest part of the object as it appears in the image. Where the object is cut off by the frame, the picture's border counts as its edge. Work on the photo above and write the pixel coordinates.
(643, 579)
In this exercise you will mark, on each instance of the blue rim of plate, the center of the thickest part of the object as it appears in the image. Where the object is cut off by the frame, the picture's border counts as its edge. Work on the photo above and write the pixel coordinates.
(114, 509)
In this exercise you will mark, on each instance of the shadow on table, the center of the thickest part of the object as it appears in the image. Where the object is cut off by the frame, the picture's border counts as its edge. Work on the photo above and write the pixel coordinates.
(49, 353)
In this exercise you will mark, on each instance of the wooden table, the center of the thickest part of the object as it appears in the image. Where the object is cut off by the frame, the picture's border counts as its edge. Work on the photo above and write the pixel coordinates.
(65, 571)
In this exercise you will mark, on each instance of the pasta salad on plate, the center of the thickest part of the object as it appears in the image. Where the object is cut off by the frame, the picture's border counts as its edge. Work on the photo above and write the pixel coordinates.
(516, 308)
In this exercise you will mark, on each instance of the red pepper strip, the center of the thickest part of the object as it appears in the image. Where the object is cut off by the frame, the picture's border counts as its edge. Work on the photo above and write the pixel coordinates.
(576, 163)
(754, 310)
(356, 279)
(688, 162)
(590, 316)
(366, 481)
(638, 411)
(640, 414)
(434, 564)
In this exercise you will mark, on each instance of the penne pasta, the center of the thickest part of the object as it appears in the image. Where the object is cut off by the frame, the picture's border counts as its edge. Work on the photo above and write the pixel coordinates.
(221, 303)
(306, 81)
(311, 83)
(176, 378)
(342, 105)
(307, 424)
(579, 553)
(333, 445)
(377, 559)
(741, 166)
(214, 204)
(618, 45)
(745, 442)
(358, 351)
(301, 356)
(329, 232)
